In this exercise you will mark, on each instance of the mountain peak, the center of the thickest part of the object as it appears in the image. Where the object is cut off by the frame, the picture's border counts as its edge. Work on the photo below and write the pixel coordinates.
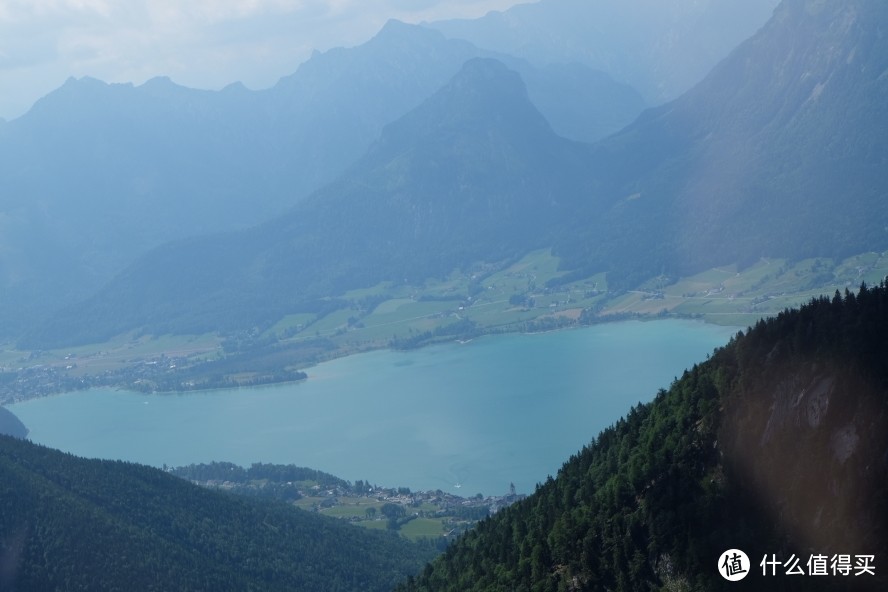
(788, 122)
(235, 87)
(395, 26)
(398, 39)
(484, 94)
(395, 29)
(486, 69)
(160, 81)
(490, 79)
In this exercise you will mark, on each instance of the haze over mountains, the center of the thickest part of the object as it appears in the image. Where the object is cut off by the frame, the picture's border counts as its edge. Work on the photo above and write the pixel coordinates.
(748, 164)
(660, 47)
(96, 174)
(475, 172)
(755, 160)
(450, 158)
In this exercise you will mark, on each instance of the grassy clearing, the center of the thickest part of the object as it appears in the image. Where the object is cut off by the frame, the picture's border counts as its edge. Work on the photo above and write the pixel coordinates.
(377, 524)
(346, 511)
(524, 295)
(380, 288)
(355, 509)
(11, 357)
(333, 322)
(732, 296)
(406, 310)
(527, 275)
(423, 528)
(391, 306)
(293, 322)
(453, 286)
(120, 352)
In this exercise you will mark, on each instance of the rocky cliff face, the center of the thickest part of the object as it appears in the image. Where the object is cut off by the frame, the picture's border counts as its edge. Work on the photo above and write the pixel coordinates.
(810, 441)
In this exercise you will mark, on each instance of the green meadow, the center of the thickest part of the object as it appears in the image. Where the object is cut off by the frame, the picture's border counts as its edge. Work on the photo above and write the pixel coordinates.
(734, 296)
(530, 294)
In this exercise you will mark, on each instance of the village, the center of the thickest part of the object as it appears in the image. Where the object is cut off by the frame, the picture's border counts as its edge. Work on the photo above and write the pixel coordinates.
(433, 516)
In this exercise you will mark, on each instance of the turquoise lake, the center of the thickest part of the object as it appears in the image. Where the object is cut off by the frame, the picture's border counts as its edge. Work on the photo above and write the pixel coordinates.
(480, 415)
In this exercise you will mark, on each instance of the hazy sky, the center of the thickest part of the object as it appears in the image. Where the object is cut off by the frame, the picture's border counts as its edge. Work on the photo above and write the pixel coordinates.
(198, 43)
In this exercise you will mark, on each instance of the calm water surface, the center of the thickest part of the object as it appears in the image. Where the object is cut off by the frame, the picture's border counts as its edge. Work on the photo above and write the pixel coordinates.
(499, 409)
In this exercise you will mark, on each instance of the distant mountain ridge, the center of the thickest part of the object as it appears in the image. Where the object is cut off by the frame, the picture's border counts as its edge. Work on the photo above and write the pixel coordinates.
(750, 163)
(473, 173)
(97, 174)
(754, 161)
(660, 47)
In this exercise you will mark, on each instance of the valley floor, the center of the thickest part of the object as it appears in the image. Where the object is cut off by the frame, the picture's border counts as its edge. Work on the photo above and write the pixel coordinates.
(530, 295)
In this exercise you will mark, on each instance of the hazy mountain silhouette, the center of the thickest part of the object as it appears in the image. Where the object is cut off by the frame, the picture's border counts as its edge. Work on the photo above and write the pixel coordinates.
(474, 173)
(96, 174)
(660, 47)
(752, 162)
(780, 152)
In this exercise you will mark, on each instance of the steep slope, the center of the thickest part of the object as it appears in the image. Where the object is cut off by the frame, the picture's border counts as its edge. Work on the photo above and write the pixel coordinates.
(96, 174)
(780, 152)
(579, 102)
(660, 47)
(776, 445)
(78, 524)
(473, 174)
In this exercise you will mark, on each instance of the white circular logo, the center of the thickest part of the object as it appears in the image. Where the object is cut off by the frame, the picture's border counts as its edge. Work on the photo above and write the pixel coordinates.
(733, 565)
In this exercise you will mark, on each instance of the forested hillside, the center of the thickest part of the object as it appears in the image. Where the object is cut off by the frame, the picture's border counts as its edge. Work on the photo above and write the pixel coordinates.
(68, 523)
(776, 445)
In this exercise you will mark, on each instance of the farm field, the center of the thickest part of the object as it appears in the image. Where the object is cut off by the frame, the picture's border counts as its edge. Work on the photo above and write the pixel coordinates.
(528, 295)
(732, 296)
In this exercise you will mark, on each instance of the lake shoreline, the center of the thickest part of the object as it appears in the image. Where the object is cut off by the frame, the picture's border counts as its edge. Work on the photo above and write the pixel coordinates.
(499, 410)
(139, 374)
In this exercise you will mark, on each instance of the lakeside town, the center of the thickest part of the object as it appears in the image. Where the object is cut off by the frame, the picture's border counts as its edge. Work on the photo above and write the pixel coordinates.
(434, 516)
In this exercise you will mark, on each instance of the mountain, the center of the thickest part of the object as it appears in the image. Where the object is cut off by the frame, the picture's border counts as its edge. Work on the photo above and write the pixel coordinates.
(775, 445)
(660, 47)
(97, 174)
(779, 152)
(580, 103)
(474, 173)
(79, 524)
(748, 164)
(405, 64)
